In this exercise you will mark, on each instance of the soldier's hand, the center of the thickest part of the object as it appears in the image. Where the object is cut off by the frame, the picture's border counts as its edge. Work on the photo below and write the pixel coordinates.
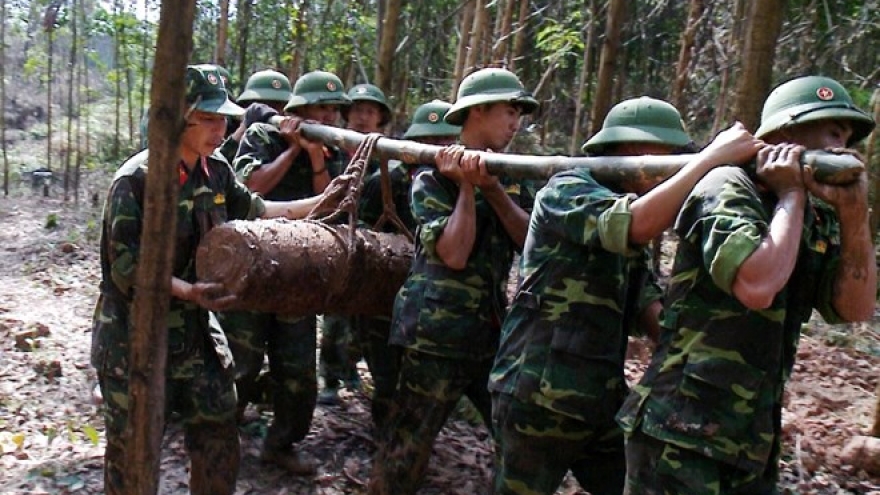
(473, 167)
(307, 144)
(258, 112)
(211, 296)
(735, 145)
(448, 162)
(288, 128)
(852, 197)
(779, 168)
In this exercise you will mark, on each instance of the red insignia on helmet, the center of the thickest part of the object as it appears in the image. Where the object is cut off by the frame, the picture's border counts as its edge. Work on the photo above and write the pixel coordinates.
(433, 117)
(825, 93)
(276, 84)
(212, 78)
(331, 85)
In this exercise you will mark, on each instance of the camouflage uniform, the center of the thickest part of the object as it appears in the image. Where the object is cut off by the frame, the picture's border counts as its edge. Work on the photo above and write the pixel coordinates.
(706, 417)
(448, 322)
(289, 342)
(199, 383)
(558, 375)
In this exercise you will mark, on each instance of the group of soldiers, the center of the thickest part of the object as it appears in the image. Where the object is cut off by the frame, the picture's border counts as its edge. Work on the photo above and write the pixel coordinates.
(758, 250)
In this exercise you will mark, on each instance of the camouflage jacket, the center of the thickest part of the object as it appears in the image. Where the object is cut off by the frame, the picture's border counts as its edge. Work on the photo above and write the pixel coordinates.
(371, 207)
(209, 195)
(564, 339)
(262, 143)
(715, 382)
(454, 313)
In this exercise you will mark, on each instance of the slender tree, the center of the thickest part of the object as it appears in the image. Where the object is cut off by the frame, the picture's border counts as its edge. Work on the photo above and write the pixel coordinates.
(608, 62)
(244, 23)
(222, 34)
(149, 339)
(71, 65)
(467, 20)
(300, 27)
(117, 63)
(3, 96)
(586, 71)
(519, 39)
(762, 27)
(387, 44)
(874, 168)
(478, 30)
(49, 21)
(685, 54)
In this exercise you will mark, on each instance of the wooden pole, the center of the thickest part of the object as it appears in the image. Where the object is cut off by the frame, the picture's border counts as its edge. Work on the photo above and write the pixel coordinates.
(830, 168)
(149, 340)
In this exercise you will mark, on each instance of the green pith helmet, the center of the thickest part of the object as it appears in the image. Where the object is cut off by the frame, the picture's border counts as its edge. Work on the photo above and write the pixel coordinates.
(266, 85)
(812, 98)
(317, 88)
(428, 121)
(227, 80)
(369, 92)
(489, 86)
(205, 91)
(639, 120)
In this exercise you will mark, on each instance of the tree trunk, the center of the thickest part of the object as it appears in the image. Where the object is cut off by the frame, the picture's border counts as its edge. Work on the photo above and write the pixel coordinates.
(146, 47)
(519, 39)
(117, 51)
(70, 104)
(244, 23)
(682, 71)
(763, 23)
(49, 77)
(478, 30)
(467, 21)
(149, 339)
(222, 34)
(874, 167)
(586, 71)
(608, 63)
(501, 50)
(305, 267)
(3, 96)
(733, 47)
(385, 58)
(299, 49)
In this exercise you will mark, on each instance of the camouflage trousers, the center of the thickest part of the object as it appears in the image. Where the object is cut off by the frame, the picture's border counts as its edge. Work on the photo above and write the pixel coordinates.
(383, 360)
(659, 468)
(340, 351)
(535, 447)
(428, 390)
(291, 387)
(202, 391)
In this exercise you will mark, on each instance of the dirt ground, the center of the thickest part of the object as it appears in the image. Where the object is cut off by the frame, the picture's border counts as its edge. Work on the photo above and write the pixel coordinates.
(51, 432)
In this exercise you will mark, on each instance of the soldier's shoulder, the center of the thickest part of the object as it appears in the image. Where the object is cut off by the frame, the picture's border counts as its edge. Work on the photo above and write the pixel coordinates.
(135, 165)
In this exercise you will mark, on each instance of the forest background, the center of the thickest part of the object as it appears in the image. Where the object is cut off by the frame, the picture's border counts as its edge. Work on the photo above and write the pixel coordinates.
(75, 75)
(74, 87)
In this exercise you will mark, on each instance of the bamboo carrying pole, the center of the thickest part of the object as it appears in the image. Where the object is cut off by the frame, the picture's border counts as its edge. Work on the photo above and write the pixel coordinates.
(830, 168)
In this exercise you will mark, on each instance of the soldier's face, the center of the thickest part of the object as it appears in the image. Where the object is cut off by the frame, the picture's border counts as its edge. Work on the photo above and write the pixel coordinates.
(321, 113)
(820, 135)
(497, 123)
(203, 134)
(364, 116)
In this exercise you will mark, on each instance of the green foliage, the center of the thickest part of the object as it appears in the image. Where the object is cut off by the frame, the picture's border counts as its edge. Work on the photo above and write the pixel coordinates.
(51, 221)
(561, 41)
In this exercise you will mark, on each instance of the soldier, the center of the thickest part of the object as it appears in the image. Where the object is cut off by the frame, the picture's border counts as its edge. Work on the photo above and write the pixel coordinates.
(427, 127)
(340, 348)
(558, 375)
(200, 384)
(265, 94)
(448, 314)
(279, 163)
(757, 253)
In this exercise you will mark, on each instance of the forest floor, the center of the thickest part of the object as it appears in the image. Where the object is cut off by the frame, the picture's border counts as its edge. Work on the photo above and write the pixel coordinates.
(51, 431)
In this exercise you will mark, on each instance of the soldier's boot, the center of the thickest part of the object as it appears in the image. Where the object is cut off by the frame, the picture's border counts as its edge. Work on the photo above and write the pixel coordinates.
(292, 461)
(214, 452)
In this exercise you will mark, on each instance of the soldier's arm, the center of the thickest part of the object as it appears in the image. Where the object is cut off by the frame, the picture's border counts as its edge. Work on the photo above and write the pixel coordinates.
(456, 241)
(264, 178)
(513, 218)
(766, 271)
(123, 223)
(654, 212)
(855, 281)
